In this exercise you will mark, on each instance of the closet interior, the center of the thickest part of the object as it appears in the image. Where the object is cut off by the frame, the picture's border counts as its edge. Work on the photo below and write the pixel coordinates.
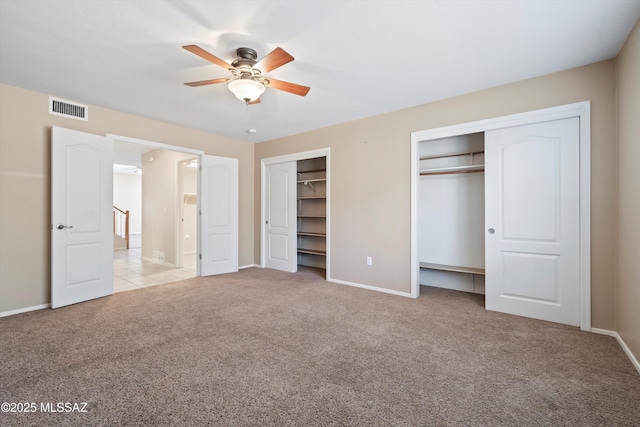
(451, 213)
(312, 212)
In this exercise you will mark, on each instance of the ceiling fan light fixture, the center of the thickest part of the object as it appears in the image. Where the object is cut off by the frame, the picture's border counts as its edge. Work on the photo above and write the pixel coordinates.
(247, 90)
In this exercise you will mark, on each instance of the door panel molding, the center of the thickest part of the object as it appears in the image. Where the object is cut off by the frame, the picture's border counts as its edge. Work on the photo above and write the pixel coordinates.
(582, 110)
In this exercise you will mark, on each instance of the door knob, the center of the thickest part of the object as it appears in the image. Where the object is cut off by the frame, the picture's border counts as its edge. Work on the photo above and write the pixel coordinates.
(61, 226)
(491, 231)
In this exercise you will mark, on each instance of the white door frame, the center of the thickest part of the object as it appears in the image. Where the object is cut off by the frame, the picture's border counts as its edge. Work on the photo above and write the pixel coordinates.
(321, 152)
(161, 146)
(180, 164)
(581, 110)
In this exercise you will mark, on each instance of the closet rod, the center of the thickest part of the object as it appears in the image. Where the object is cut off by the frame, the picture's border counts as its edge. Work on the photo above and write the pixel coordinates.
(455, 169)
(449, 172)
(440, 156)
(304, 181)
(312, 170)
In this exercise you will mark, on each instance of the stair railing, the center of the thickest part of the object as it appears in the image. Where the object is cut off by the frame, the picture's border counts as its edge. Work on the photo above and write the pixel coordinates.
(121, 224)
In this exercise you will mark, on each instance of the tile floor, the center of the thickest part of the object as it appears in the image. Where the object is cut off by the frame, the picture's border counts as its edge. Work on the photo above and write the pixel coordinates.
(131, 272)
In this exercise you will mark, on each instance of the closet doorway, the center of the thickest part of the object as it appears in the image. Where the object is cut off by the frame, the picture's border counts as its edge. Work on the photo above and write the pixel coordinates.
(532, 221)
(295, 211)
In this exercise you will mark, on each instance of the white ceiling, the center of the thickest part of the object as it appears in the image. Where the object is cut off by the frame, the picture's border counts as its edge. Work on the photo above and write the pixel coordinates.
(360, 58)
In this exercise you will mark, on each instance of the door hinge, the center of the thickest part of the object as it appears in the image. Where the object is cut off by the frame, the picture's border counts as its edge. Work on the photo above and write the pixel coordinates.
(200, 212)
(200, 257)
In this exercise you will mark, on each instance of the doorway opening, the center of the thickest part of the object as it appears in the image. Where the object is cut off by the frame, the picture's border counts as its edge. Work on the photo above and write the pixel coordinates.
(451, 205)
(188, 218)
(159, 189)
(311, 212)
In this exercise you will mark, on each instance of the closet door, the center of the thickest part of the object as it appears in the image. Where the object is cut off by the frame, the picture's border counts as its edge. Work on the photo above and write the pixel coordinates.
(532, 220)
(280, 217)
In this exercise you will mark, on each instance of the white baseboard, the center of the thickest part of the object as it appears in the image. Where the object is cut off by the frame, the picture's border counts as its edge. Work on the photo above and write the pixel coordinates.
(358, 285)
(248, 266)
(371, 288)
(156, 261)
(24, 310)
(626, 349)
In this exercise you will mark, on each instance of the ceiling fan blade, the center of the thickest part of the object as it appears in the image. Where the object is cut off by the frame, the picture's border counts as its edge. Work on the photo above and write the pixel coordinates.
(206, 82)
(209, 57)
(288, 87)
(277, 58)
(257, 101)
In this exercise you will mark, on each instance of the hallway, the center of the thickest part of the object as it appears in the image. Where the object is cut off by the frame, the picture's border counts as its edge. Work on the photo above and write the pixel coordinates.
(131, 272)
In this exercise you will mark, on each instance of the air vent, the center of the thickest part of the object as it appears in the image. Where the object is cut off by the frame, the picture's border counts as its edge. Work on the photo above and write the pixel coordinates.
(158, 256)
(73, 110)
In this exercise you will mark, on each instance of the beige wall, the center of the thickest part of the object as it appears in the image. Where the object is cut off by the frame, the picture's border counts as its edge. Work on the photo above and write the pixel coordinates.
(370, 178)
(25, 129)
(160, 210)
(189, 210)
(628, 290)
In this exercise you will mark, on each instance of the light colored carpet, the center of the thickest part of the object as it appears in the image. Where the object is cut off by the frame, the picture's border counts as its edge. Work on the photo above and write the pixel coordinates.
(267, 348)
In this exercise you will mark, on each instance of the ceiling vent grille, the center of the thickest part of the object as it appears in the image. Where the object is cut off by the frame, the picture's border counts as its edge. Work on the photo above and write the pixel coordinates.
(73, 110)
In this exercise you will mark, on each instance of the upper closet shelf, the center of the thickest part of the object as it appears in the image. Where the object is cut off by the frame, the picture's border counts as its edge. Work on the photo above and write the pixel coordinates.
(453, 169)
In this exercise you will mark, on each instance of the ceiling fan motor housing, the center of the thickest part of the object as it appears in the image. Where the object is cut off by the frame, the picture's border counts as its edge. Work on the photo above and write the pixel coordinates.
(246, 58)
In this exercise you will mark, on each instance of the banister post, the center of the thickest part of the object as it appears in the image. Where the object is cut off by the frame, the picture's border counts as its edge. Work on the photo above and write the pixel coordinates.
(126, 227)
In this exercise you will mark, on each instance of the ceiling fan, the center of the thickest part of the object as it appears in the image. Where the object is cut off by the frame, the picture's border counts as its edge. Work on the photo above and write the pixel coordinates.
(248, 81)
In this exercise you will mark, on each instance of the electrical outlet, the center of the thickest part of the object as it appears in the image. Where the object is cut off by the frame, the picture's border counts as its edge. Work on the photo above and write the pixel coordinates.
(369, 260)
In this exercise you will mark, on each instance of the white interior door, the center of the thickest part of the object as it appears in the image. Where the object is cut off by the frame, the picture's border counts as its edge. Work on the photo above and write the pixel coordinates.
(218, 215)
(533, 220)
(280, 244)
(81, 217)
